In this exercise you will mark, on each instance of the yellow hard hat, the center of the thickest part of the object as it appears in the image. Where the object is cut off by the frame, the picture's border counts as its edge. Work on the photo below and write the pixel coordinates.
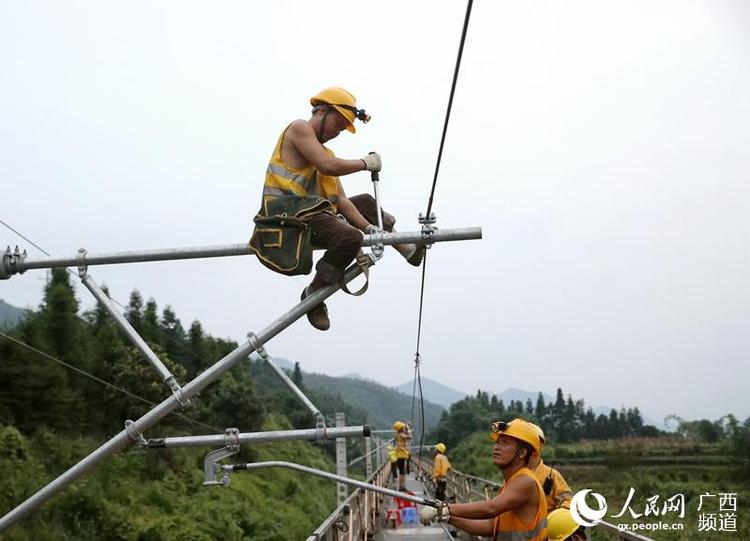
(517, 428)
(560, 524)
(537, 428)
(398, 425)
(344, 102)
(440, 447)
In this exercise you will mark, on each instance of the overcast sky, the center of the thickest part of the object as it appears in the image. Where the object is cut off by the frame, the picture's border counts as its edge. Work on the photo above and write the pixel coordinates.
(602, 146)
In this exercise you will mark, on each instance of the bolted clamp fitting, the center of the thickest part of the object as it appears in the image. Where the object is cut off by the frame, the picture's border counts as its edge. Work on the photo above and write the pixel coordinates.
(257, 346)
(135, 433)
(81, 262)
(212, 463)
(428, 228)
(182, 400)
(12, 263)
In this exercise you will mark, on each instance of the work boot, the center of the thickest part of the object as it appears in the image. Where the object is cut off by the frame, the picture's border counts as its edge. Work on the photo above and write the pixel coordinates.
(411, 252)
(318, 316)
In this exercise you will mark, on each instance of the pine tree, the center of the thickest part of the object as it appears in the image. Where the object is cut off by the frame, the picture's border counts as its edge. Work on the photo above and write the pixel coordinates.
(134, 311)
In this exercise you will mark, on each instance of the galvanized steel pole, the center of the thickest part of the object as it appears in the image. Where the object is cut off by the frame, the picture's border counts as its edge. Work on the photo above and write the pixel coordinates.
(16, 263)
(341, 492)
(166, 376)
(215, 440)
(341, 479)
(127, 437)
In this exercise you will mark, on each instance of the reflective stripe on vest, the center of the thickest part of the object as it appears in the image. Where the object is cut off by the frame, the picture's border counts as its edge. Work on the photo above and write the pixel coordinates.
(281, 180)
(513, 527)
(522, 536)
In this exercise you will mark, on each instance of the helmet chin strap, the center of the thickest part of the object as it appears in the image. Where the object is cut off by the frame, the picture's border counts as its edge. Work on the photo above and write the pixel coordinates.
(323, 123)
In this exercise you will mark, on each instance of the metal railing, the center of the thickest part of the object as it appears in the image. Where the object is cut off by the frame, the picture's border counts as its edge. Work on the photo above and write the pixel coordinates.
(468, 488)
(358, 517)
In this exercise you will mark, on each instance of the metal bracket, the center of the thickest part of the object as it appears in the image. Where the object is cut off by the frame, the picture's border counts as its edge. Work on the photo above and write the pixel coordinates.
(211, 465)
(377, 248)
(135, 433)
(257, 346)
(81, 262)
(428, 228)
(10, 262)
(183, 400)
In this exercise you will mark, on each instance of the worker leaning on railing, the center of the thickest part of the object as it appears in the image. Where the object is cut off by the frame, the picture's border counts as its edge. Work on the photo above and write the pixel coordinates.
(519, 509)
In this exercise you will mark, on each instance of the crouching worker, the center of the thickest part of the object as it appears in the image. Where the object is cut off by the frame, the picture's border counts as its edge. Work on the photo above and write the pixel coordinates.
(519, 510)
(304, 203)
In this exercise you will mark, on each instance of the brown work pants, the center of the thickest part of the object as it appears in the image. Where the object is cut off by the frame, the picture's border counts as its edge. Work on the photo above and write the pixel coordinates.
(341, 240)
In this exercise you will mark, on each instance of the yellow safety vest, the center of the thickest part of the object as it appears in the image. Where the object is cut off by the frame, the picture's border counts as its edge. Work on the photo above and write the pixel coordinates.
(283, 180)
(442, 465)
(402, 450)
(509, 526)
(560, 495)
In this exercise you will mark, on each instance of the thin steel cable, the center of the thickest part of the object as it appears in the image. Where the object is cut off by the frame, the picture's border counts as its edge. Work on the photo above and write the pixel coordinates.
(26, 239)
(118, 303)
(103, 382)
(417, 358)
(450, 105)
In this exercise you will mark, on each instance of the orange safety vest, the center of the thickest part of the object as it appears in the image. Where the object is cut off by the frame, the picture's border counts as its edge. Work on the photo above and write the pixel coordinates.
(442, 465)
(283, 180)
(509, 526)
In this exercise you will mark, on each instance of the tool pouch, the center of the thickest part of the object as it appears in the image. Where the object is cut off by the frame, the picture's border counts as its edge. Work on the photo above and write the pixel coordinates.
(282, 235)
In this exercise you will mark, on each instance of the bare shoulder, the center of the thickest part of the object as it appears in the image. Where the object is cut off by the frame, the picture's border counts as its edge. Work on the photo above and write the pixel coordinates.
(523, 483)
(299, 128)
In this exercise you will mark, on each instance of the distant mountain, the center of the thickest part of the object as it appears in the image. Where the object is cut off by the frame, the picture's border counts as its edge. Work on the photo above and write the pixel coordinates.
(382, 404)
(10, 315)
(434, 391)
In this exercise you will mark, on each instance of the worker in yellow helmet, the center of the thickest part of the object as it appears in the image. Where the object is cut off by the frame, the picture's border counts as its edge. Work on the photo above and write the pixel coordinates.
(556, 489)
(519, 509)
(402, 452)
(304, 203)
(562, 527)
(440, 471)
(393, 460)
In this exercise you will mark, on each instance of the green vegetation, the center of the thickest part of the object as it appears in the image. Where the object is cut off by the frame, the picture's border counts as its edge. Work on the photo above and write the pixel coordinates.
(701, 457)
(51, 416)
(382, 404)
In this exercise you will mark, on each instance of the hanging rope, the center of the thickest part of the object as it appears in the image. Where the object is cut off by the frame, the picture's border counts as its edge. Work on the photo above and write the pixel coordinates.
(450, 105)
(417, 357)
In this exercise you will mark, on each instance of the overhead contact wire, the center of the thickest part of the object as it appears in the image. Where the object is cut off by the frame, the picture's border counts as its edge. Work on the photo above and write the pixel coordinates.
(417, 358)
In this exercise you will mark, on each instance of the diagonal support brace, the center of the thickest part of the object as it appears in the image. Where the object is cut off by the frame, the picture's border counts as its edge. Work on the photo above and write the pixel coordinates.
(320, 420)
(166, 376)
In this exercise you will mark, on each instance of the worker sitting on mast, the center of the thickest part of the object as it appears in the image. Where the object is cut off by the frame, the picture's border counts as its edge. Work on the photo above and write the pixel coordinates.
(519, 509)
(440, 471)
(556, 489)
(304, 203)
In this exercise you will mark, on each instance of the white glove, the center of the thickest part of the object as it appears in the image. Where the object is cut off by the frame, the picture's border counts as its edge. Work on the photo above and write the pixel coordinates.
(370, 229)
(372, 162)
(427, 515)
(430, 514)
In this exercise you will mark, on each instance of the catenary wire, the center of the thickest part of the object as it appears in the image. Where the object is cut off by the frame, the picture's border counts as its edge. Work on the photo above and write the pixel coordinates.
(417, 357)
(159, 330)
(101, 381)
